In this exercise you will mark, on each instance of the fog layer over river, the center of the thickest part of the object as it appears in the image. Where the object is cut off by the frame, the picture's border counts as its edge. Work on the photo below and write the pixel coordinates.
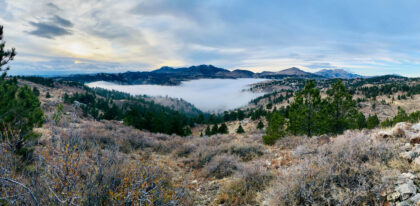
(210, 95)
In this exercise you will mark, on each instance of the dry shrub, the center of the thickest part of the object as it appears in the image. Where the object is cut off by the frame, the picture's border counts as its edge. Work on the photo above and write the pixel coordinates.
(73, 169)
(345, 172)
(250, 180)
(247, 152)
(185, 150)
(221, 166)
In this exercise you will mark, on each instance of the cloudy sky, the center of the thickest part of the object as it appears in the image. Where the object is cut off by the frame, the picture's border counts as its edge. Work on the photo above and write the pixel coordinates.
(72, 36)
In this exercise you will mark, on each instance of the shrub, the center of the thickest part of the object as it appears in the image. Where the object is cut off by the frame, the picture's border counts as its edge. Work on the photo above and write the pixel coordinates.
(247, 152)
(243, 189)
(221, 166)
(351, 165)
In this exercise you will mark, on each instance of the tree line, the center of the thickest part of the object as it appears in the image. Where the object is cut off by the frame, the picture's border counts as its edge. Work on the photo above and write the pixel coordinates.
(310, 114)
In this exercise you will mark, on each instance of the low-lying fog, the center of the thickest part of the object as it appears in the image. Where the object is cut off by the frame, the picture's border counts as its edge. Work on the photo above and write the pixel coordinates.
(210, 95)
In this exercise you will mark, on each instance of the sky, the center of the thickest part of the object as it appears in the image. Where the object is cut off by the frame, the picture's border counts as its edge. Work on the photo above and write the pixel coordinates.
(372, 37)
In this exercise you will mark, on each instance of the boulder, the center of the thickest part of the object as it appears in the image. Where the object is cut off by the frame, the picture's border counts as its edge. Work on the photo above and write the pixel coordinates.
(416, 163)
(406, 190)
(383, 135)
(408, 175)
(409, 156)
(415, 200)
(406, 147)
(416, 127)
(393, 196)
(416, 149)
(404, 125)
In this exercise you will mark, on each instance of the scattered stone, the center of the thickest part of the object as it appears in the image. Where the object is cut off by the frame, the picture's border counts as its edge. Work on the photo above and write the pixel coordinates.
(410, 155)
(406, 147)
(408, 175)
(404, 125)
(416, 149)
(393, 196)
(415, 200)
(416, 127)
(383, 135)
(398, 132)
(406, 190)
(416, 163)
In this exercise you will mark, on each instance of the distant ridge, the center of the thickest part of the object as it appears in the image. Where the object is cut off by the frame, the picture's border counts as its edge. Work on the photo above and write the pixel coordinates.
(337, 74)
(174, 76)
(291, 72)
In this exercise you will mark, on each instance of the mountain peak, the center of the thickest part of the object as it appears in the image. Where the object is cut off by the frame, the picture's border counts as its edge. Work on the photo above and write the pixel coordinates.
(337, 74)
(293, 71)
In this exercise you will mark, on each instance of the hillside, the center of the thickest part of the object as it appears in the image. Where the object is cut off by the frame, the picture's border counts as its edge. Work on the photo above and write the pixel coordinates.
(337, 74)
(214, 170)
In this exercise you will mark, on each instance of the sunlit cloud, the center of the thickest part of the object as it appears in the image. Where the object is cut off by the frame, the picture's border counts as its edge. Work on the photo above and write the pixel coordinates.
(368, 37)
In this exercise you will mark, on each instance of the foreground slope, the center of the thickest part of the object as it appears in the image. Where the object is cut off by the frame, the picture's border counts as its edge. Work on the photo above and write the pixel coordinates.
(83, 161)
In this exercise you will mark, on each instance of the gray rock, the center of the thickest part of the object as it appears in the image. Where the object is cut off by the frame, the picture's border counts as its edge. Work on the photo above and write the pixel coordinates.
(412, 201)
(408, 175)
(410, 155)
(406, 190)
(393, 196)
(416, 163)
(416, 127)
(406, 147)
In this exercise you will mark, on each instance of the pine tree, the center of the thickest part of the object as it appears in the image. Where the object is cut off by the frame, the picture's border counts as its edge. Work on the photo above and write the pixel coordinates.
(305, 112)
(5, 55)
(223, 129)
(361, 121)
(48, 95)
(343, 113)
(402, 116)
(214, 129)
(240, 130)
(275, 129)
(372, 121)
(386, 123)
(260, 125)
(187, 131)
(35, 90)
(208, 131)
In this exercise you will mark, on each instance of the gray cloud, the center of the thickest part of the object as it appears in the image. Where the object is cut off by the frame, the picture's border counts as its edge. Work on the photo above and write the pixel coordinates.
(52, 5)
(55, 26)
(62, 22)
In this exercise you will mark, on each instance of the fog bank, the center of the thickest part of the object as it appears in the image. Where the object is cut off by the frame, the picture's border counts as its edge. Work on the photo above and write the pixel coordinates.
(209, 95)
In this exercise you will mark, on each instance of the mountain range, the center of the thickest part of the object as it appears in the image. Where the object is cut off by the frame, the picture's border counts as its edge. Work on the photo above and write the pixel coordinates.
(174, 76)
(337, 74)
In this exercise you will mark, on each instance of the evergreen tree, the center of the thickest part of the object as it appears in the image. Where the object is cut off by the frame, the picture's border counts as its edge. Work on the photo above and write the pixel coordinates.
(275, 129)
(208, 131)
(48, 95)
(305, 112)
(402, 116)
(240, 130)
(20, 109)
(5, 55)
(214, 129)
(223, 129)
(260, 125)
(372, 121)
(36, 91)
(342, 108)
(386, 123)
(187, 131)
(361, 121)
